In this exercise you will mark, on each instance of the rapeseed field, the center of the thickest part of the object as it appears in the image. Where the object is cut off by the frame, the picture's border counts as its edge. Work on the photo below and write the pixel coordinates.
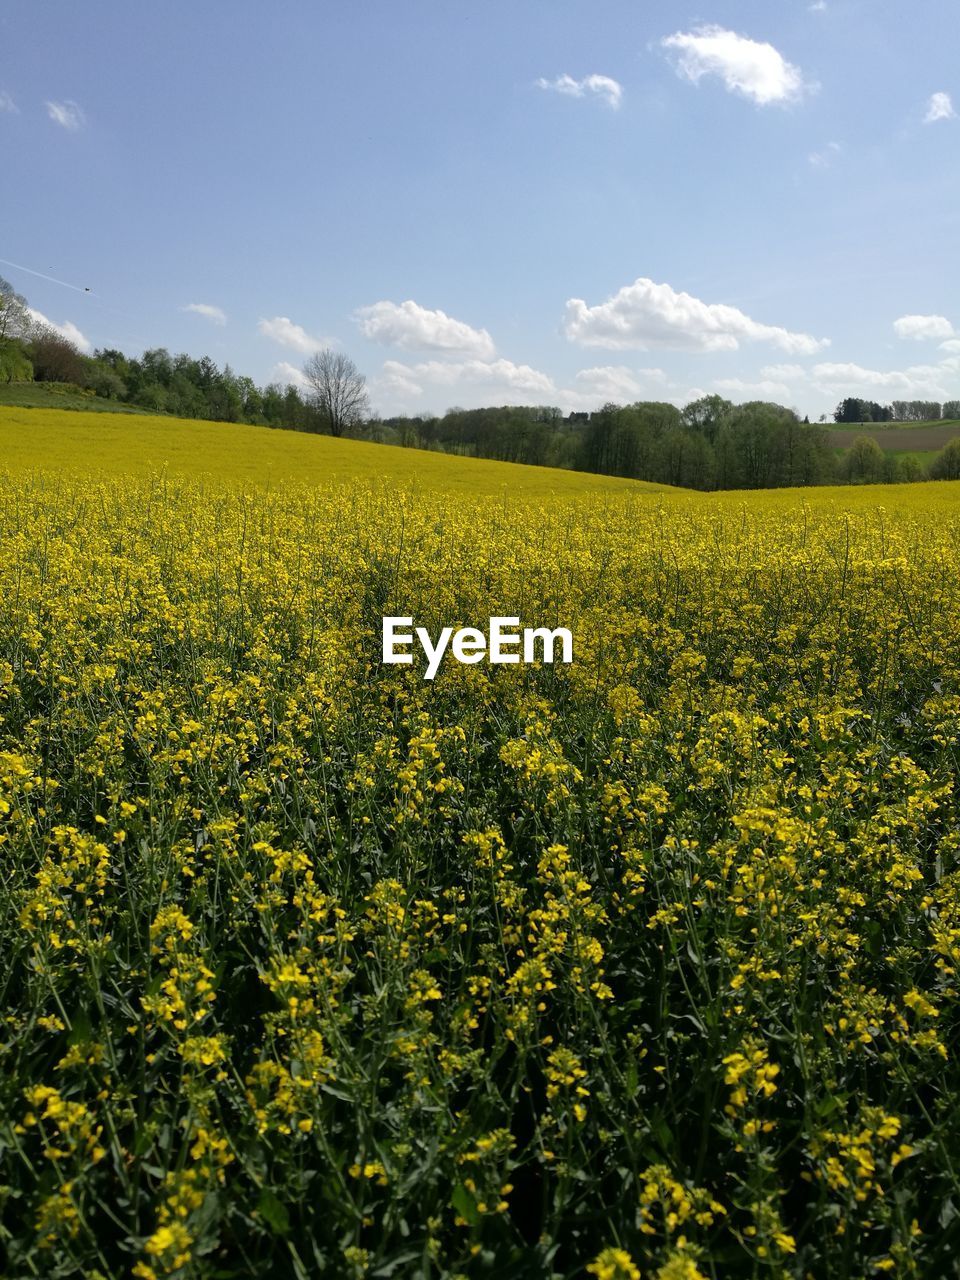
(644, 966)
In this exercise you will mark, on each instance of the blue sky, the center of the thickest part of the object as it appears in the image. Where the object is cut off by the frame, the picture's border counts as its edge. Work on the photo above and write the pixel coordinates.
(530, 201)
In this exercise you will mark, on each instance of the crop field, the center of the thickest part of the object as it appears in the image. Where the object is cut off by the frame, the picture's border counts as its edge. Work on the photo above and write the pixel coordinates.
(899, 437)
(641, 967)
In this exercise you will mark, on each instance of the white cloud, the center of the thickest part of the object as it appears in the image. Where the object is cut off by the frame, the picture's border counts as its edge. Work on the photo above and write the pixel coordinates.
(495, 374)
(289, 375)
(7, 104)
(824, 158)
(751, 68)
(952, 345)
(216, 314)
(764, 389)
(436, 384)
(921, 381)
(282, 329)
(818, 6)
(922, 328)
(414, 328)
(783, 372)
(604, 87)
(645, 314)
(616, 382)
(67, 114)
(66, 330)
(940, 107)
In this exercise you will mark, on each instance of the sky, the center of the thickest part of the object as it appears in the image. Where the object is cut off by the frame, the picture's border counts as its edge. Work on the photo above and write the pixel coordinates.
(561, 202)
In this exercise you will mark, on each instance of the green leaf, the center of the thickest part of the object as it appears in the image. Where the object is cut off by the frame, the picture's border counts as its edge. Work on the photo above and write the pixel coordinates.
(274, 1213)
(465, 1204)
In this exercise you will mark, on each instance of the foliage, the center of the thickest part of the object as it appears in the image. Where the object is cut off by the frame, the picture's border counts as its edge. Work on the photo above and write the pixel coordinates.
(709, 444)
(946, 465)
(641, 967)
(853, 410)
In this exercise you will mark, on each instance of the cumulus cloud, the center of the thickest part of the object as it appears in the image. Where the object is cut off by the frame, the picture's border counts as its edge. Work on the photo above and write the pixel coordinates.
(289, 375)
(502, 375)
(67, 114)
(7, 104)
(645, 314)
(763, 389)
(615, 382)
(415, 328)
(951, 345)
(940, 107)
(66, 330)
(923, 328)
(922, 381)
(751, 68)
(783, 372)
(604, 87)
(282, 329)
(436, 384)
(209, 312)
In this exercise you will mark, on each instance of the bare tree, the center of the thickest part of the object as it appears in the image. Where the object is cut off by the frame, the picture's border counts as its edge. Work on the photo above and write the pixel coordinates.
(337, 390)
(15, 319)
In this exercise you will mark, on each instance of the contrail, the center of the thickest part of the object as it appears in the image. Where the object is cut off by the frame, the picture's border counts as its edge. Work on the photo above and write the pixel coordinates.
(53, 279)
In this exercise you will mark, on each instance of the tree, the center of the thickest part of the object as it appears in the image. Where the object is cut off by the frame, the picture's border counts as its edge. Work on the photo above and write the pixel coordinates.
(15, 323)
(14, 316)
(55, 358)
(864, 462)
(337, 390)
(849, 410)
(707, 415)
(946, 465)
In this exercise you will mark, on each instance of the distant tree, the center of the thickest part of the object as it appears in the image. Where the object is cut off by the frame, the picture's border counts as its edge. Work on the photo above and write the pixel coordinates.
(916, 410)
(55, 358)
(157, 365)
(910, 469)
(15, 321)
(951, 409)
(946, 465)
(865, 462)
(337, 390)
(849, 410)
(706, 415)
(14, 365)
(106, 382)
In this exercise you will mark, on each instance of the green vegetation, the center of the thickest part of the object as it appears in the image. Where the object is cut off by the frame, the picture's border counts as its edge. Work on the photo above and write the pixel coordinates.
(708, 444)
(61, 395)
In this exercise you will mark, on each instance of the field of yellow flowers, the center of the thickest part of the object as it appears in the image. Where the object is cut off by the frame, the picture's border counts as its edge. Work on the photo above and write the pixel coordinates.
(640, 967)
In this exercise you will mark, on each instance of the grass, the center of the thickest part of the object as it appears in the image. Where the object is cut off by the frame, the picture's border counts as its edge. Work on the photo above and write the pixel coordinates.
(872, 427)
(61, 395)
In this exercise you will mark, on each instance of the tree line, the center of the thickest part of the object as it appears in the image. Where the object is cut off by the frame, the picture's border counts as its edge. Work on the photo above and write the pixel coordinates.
(859, 411)
(710, 443)
(332, 399)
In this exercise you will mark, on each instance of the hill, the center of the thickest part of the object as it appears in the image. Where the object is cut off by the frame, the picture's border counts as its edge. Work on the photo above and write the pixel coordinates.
(106, 443)
(62, 395)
